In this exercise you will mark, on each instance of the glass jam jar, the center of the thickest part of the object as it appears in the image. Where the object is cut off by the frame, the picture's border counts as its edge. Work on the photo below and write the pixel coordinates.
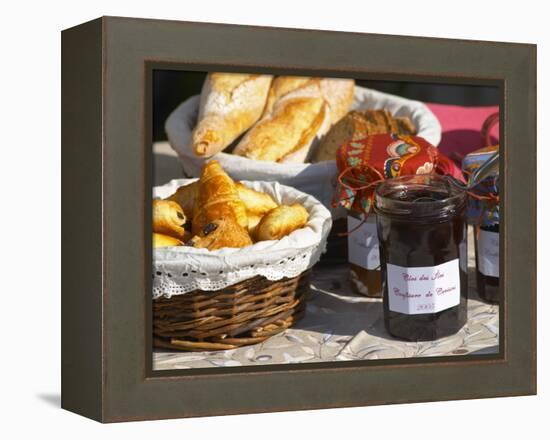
(422, 232)
(484, 215)
(487, 262)
(363, 255)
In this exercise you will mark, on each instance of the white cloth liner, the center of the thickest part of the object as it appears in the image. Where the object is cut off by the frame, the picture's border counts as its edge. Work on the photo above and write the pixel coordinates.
(318, 179)
(181, 269)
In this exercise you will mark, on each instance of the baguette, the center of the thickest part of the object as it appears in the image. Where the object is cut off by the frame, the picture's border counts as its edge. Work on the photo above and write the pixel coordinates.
(298, 110)
(282, 86)
(291, 126)
(230, 104)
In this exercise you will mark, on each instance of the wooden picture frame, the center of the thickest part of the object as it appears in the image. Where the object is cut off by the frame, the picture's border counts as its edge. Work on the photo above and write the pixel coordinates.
(106, 248)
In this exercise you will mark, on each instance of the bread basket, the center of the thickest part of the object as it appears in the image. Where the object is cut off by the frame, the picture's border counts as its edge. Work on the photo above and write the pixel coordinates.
(224, 299)
(317, 179)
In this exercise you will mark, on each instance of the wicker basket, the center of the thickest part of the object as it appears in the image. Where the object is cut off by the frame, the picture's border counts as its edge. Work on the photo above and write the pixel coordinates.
(231, 297)
(242, 314)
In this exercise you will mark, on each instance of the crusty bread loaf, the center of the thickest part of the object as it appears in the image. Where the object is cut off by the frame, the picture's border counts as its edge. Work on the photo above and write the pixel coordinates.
(405, 126)
(352, 126)
(356, 125)
(230, 104)
(298, 110)
(291, 126)
(282, 86)
(338, 93)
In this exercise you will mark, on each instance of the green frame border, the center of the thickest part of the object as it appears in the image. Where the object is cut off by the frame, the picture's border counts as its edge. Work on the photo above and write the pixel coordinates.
(106, 374)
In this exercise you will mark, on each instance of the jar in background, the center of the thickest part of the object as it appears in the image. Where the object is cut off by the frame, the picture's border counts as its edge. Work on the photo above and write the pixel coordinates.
(487, 262)
(337, 244)
(423, 252)
(484, 215)
(364, 255)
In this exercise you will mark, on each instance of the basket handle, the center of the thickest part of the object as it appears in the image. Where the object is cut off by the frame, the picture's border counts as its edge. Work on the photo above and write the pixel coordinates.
(489, 123)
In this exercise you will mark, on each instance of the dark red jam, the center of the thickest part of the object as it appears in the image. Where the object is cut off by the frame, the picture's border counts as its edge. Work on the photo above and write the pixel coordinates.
(423, 255)
(487, 275)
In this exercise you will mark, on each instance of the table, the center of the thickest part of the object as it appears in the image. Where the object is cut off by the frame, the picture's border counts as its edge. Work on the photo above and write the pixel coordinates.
(338, 325)
(342, 326)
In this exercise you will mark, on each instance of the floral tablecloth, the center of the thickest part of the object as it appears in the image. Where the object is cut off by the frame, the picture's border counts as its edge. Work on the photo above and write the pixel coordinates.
(341, 326)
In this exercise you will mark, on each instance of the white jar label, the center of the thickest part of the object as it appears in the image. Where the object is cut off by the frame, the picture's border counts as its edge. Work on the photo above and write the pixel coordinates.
(488, 249)
(363, 248)
(416, 290)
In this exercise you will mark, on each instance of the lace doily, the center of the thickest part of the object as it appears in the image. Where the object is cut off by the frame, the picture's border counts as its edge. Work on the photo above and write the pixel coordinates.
(182, 269)
(317, 179)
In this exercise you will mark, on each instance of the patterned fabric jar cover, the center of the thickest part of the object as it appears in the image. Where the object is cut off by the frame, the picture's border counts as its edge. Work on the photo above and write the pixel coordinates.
(484, 211)
(363, 163)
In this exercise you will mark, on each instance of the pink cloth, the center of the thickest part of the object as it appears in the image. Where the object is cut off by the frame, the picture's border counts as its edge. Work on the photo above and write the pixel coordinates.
(461, 128)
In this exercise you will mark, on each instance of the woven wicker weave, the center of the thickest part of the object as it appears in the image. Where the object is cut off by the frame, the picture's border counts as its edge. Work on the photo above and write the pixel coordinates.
(242, 314)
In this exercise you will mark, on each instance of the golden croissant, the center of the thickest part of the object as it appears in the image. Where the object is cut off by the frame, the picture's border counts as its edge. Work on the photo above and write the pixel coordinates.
(281, 221)
(168, 218)
(185, 196)
(256, 202)
(217, 198)
(162, 240)
(221, 233)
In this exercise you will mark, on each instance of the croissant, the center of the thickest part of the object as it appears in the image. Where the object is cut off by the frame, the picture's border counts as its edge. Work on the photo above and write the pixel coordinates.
(253, 222)
(281, 221)
(185, 197)
(161, 240)
(168, 218)
(230, 104)
(256, 202)
(221, 233)
(217, 198)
